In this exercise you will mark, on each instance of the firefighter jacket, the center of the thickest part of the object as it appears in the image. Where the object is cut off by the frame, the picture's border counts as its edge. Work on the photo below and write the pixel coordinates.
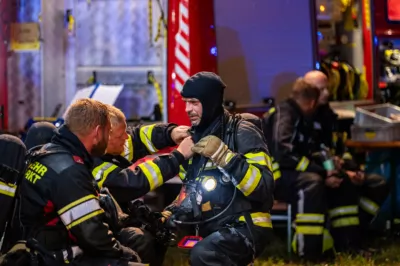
(289, 138)
(147, 140)
(126, 183)
(249, 170)
(326, 131)
(60, 200)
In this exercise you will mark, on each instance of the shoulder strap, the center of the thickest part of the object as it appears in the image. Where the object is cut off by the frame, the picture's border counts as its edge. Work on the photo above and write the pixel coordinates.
(231, 131)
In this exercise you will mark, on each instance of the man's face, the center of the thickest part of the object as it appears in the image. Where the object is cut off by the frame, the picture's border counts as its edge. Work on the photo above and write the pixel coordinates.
(194, 109)
(100, 147)
(322, 85)
(309, 107)
(117, 139)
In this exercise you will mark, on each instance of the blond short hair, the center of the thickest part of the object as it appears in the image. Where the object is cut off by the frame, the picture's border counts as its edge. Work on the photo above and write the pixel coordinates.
(117, 117)
(85, 115)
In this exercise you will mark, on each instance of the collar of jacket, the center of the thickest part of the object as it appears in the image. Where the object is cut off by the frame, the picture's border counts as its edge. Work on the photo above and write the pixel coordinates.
(295, 106)
(216, 128)
(118, 160)
(64, 137)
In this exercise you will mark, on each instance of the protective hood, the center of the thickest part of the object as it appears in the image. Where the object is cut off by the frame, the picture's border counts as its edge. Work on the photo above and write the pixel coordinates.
(208, 88)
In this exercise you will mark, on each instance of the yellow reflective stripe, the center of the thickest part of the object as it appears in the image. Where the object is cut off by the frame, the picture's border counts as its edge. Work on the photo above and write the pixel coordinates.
(271, 110)
(128, 149)
(343, 210)
(347, 156)
(369, 206)
(228, 157)
(145, 137)
(277, 175)
(152, 173)
(260, 158)
(101, 172)
(75, 203)
(309, 230)
(261, 219)
(80, 211)
(182, 172)
(190, 161)
(85, 218)
(396, 221)
(345, 221)
(250, 181)
(275, 166)
(303, 164)
(7, 189)
(328, 242)
(310, 218)
(210, 165)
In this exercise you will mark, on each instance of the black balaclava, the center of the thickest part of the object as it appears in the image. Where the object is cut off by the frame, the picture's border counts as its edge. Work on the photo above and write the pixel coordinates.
(40, 133)
(208, 88)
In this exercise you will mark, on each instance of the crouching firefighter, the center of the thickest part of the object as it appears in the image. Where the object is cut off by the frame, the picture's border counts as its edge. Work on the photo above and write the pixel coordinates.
(59, 199)
(126, 182)
(227, 184)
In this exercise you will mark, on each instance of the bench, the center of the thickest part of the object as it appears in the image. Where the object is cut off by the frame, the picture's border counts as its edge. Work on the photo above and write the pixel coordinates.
(285, 214)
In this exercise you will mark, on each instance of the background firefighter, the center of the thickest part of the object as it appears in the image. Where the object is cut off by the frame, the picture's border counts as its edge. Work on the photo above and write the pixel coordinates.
(299, 179)
(362, 195)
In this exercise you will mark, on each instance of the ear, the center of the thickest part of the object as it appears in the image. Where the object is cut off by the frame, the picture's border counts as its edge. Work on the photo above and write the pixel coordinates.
(96, 133)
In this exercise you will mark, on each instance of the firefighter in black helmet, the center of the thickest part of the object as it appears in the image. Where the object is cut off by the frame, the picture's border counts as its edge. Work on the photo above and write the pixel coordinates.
(230, 156)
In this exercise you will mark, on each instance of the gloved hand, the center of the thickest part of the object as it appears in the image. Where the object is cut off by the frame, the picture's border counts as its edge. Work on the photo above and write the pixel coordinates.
(129, 255)
(214, 148)
(165, 215)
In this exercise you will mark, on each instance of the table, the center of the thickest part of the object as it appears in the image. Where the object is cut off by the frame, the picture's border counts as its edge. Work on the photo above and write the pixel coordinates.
(383, 145)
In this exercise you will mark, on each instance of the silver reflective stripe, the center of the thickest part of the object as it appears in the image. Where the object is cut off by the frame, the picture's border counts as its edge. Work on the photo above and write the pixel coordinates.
(369, 206)
(250, 182)
(340, 211)
(80, 211)
(310, 218)
(154, 176)
(7, 190)
(149, 145)
(100, 173)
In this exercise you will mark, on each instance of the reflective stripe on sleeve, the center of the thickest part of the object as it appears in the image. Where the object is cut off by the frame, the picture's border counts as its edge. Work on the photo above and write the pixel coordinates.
(152, 173)
(80, 210)
(7, 189)
(145, 137)
(250, 181)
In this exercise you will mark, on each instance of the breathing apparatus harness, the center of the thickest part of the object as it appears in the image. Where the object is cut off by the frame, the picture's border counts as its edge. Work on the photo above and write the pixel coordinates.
(190, 202)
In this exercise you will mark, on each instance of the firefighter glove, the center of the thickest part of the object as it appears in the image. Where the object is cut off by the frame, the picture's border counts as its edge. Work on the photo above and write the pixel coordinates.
(214, 148)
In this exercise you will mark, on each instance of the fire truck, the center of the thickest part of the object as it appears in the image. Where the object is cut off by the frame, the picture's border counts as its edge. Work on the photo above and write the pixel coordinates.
(51, 51)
